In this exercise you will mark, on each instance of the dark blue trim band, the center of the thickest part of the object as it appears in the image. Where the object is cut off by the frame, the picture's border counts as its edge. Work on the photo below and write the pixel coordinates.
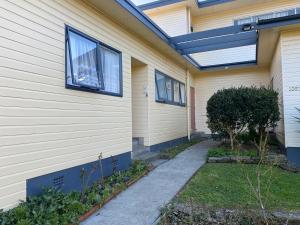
(219, 42)
(157, 4)
(293, 155)
(168, 144)
(208, 3)
(70, 179)
(207, 34)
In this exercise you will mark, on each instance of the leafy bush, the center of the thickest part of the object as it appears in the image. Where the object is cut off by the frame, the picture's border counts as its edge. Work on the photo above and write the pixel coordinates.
(226, 112)
(54, 207)
(264, 114)
(221, 152)
(235, 110)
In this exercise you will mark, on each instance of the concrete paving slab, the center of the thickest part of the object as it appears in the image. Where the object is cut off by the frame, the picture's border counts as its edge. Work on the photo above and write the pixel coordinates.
(140, 204)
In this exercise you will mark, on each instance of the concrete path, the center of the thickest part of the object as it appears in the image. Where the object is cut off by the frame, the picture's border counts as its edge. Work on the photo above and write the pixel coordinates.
(140, 204)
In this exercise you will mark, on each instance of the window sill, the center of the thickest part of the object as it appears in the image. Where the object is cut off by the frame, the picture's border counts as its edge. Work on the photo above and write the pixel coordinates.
(170, 103)
(86, 89)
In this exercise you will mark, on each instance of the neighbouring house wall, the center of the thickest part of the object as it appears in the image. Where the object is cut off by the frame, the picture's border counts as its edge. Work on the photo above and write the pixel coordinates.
(207, 84)
(173, 20)
(291, 87)
(276, 82)
(46, 127)
(140, 103)
(226, 18)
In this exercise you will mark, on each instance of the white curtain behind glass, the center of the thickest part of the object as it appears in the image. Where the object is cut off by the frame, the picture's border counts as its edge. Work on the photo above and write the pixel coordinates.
(182, 93)
(169, 89)
(161, 86)
(110, 70)
(84, 60)
(176, 91)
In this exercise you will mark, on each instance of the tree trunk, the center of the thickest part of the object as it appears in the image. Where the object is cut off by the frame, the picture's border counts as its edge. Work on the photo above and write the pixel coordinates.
(231, 140)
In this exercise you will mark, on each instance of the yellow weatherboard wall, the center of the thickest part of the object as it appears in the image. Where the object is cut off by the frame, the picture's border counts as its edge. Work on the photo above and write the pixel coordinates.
(276, 82)
(206, 84)
(290, 44)
(46, 127)
(167, 122)
(140, 103)
(173, 20)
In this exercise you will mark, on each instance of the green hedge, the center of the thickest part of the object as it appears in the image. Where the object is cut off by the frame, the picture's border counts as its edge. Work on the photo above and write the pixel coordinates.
(221, 152)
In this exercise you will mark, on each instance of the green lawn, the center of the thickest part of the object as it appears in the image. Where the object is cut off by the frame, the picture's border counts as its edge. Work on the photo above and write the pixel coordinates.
(225, 186)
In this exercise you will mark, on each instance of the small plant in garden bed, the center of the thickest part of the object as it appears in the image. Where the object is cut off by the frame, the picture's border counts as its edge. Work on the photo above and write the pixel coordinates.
(172, 152)
(221, 152)
(54, 207)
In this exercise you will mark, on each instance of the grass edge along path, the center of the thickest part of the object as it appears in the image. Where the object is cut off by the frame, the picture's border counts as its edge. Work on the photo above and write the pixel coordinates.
(171, 153)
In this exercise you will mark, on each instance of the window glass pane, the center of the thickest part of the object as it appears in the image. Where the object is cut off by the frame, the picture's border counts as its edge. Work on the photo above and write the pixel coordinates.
(84, 53)
(161, 86)
(111, 70)
(169, 89)
(69, 72)
(182, 94)
(176, 92)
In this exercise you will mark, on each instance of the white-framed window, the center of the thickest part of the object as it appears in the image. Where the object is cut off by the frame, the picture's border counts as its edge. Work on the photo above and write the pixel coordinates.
(92, 65)
(169, 90)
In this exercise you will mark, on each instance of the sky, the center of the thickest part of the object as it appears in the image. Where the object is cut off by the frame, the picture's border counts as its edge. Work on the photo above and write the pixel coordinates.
(140, 2)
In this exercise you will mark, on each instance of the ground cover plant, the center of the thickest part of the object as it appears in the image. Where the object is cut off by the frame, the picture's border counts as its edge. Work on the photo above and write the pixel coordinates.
(170, 153)
(192, 214)
(223, 151)
(57, 208)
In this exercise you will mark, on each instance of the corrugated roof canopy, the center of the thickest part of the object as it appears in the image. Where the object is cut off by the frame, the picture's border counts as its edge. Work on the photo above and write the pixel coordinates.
(228, 56)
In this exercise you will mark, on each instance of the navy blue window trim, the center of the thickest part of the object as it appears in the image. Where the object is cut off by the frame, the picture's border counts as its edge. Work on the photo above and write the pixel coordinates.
(98, 65)
(166, 101)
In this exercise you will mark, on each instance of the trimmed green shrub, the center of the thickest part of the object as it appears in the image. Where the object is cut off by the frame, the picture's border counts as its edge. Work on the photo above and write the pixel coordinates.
(264, 114)
(226, 112)
(236, 110)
